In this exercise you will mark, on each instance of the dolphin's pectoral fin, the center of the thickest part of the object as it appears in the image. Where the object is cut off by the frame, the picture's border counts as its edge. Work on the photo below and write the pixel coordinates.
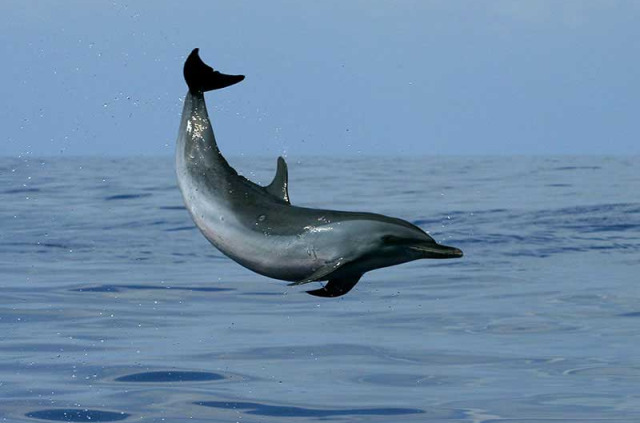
(279, 187)
(336, 287)
(322, 273)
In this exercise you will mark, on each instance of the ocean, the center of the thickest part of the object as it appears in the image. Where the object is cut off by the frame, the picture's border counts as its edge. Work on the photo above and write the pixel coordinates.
(115, 308)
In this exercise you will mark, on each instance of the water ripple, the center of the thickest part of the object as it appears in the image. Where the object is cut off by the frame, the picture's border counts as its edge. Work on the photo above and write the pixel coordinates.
(21, 190)
(126, 196)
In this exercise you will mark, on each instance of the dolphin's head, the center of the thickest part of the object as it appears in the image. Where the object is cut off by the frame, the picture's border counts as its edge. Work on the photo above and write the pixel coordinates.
(419, 247)
(403, 238)
(394, 241)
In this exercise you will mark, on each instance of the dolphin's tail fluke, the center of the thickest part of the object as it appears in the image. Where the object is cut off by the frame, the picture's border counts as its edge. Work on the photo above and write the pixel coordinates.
(201, 78)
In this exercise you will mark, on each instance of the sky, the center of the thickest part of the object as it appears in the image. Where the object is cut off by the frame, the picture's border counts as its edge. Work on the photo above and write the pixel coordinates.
(331, 77)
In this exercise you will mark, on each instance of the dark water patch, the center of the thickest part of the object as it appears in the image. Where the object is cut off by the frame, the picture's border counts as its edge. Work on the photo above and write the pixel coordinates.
(126, 196)
(216, 256)
(180, 228)
(258, 409)
(121, 288)
(613, 227)
(577, 168)
(21, 191)
(303, 352)
(506, 238)
(631, 314)
(558, 185)
(524, 327)
(533, 294)
(77, 415)
(124, 225)
(161, 188)
(610, 372)
(170, 376)
(404, 380)
(618, 247)
(481, 212)
(172, 208)
(586, 209)
(543, 252)
(591, 299)
(42, 347)
(157, 222)
(600, 217)
(55, 245)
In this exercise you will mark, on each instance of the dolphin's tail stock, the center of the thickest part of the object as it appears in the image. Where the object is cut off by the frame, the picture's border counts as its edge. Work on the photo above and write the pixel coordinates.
(201, 78)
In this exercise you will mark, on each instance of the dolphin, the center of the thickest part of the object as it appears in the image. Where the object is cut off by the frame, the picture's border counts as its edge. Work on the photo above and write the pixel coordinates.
(257, 226)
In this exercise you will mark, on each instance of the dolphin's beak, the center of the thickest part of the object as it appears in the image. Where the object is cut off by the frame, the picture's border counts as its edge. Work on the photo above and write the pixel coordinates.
(437, 251)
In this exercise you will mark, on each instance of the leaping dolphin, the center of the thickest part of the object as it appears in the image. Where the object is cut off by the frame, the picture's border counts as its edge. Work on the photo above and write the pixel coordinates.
(257, 226)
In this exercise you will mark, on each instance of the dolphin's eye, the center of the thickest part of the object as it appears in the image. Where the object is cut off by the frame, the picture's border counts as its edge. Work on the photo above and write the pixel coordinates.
(393, 240)
(387, 239)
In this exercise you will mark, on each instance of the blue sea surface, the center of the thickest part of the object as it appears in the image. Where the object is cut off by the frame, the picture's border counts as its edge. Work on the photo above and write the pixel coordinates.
(115, 308)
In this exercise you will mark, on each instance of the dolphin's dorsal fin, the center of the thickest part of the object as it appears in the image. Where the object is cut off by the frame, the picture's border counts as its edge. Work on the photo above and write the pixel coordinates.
(279, 187)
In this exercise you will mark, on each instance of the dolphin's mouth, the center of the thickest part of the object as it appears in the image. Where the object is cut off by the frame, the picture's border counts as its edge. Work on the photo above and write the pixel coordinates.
(437, 251)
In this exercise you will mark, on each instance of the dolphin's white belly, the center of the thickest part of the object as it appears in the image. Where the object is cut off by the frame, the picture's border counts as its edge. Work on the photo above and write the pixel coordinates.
(290, 257)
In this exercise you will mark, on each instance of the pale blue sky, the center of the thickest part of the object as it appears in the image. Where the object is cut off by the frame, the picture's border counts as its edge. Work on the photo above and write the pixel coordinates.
(324, 77)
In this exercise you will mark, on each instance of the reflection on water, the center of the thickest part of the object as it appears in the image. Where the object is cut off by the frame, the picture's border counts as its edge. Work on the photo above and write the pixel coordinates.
(77, 415)
(279, 411)
(115, 308)
(169, 376)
